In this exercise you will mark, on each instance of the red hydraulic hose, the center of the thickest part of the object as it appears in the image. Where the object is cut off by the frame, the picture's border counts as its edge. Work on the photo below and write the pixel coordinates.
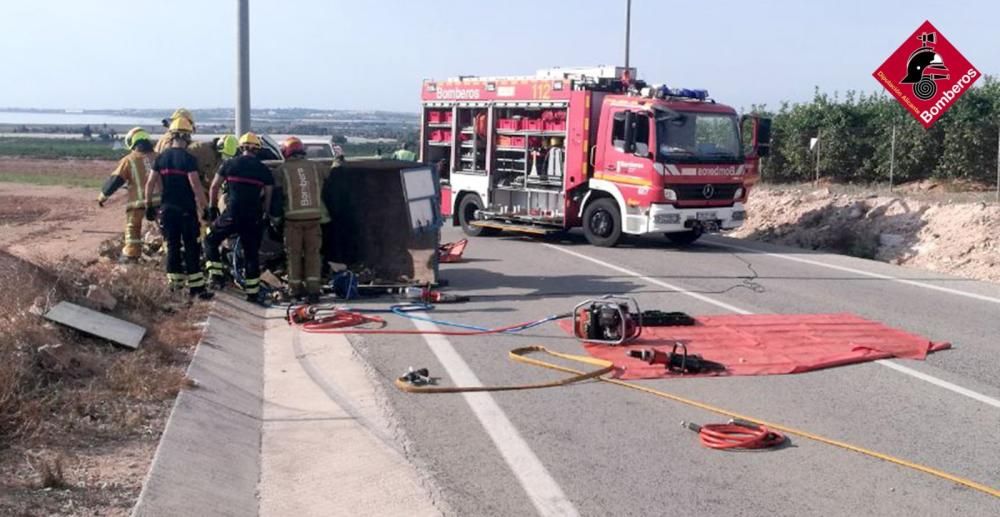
(344, 322)
(736, 435)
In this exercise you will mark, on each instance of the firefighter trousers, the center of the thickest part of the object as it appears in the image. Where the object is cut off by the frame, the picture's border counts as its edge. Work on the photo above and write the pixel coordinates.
(250, 231)
(180, 233)
(133, 232)
(303, 240)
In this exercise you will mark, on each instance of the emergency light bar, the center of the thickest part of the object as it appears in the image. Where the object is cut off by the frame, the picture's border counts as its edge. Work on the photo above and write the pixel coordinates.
(687, 93)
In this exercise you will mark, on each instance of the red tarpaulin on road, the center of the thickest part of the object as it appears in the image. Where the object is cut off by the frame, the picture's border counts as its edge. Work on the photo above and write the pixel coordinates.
(769, 344)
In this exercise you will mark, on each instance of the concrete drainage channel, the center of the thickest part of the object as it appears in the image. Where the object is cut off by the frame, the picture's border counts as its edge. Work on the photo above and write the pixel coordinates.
(263, 433)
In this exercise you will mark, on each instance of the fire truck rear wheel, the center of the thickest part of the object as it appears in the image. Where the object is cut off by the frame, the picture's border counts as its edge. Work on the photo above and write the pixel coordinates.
(602, 223)
(685, 238)
(467, 214)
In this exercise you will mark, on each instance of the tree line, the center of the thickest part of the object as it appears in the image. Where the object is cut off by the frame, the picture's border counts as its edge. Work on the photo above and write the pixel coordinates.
(855, 139)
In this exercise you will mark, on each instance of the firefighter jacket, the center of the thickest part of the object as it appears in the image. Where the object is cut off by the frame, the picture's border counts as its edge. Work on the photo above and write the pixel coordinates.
(302, 186)
(163, 143)
(133, 169)
(208, 160)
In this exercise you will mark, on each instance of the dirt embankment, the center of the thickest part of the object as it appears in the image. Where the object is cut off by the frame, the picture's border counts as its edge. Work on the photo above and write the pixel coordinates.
(79, 417)
(918, 226)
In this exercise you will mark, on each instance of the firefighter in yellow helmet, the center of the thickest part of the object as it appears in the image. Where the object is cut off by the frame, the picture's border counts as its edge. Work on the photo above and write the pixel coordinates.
(175, 175)
(301, 182)
(247, 181)
(179, 113)
(132, 171)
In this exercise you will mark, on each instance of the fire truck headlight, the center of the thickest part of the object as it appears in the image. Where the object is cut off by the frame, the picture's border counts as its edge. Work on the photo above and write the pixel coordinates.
(738, 194)
(739, 215)
(669, 195)
(667, 218)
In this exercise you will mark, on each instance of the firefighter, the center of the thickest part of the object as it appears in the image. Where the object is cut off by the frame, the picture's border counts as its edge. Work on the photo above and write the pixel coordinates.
(164, 141)
(227, 146)
(302, 186)
(209, 159)
(175, 176)
(404, 153)
(246, 179)
(132, 170)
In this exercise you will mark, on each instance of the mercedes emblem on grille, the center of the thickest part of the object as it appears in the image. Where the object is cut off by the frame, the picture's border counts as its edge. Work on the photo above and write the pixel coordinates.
(708, 191)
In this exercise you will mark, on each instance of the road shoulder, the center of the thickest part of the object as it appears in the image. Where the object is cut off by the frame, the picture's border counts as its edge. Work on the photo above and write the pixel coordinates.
(323, 450)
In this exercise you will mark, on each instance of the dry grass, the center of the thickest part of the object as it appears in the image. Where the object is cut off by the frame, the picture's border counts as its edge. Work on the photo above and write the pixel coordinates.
(54, 379)
(64, 395)
(48, 471)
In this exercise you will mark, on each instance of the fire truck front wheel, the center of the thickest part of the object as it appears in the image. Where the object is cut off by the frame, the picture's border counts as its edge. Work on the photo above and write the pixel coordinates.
(467, 214)
(602, 223)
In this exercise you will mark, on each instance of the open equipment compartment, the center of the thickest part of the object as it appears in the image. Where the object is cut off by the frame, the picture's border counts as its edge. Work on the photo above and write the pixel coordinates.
(529, 162)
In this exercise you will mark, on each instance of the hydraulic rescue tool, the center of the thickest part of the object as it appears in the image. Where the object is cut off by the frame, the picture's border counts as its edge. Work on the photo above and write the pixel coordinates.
(678, 362)
(611, 320)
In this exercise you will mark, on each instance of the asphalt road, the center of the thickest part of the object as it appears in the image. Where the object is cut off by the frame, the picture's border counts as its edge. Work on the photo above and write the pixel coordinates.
(599, 449)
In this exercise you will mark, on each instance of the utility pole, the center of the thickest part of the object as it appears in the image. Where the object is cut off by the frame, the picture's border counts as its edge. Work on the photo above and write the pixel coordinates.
(628, 29)
(819, 143)
(892, 157)
(243, 67)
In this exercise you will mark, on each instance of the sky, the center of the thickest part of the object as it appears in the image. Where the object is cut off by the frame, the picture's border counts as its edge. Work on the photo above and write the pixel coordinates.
(365, 54)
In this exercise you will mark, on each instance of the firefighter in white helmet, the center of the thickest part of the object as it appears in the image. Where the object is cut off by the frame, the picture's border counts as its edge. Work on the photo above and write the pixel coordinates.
(132, 172)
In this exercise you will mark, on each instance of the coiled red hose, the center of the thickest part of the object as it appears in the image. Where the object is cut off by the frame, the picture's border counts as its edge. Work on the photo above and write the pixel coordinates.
(745, 436)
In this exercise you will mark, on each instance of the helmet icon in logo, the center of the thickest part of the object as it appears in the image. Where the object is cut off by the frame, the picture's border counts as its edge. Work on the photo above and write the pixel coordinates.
(708, 191)
(924, 67)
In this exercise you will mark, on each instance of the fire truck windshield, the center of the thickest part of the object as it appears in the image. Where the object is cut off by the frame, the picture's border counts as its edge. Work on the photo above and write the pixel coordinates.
(685, 136)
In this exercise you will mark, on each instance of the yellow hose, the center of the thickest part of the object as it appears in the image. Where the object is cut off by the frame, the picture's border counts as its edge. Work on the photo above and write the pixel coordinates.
(521, 355)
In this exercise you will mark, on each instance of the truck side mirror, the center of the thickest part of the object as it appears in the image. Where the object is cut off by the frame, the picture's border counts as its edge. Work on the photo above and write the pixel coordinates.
(762, 137)
(629, 132)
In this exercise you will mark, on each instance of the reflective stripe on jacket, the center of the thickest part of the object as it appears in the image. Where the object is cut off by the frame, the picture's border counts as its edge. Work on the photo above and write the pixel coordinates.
(134, 169)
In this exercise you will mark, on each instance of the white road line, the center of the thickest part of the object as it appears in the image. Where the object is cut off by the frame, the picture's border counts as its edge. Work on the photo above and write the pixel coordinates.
(915, 283)
(680, 290)
(884, 362)
(942, 383)
(535, 479)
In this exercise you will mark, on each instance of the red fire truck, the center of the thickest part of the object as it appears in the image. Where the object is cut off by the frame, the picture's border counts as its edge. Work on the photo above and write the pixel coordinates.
(591, 148)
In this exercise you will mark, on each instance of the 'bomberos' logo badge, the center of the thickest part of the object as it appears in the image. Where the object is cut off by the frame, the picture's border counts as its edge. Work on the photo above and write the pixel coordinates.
(926, 74)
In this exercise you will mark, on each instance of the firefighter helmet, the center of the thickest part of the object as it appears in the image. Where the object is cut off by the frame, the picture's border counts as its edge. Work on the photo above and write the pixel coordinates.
(250, 140)
(922, 59)
(134, 136)
(228, 146)
(182, 113)
(181, 125)
(555, 141)
(292, 145)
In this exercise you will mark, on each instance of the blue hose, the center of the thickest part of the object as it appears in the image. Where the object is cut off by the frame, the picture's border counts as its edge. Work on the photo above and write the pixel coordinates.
(395, 310)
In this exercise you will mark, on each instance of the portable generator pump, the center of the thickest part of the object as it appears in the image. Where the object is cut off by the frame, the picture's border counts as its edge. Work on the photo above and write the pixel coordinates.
(611, 320)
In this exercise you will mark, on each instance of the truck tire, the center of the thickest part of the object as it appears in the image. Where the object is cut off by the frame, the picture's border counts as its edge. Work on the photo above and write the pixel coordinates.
(602, 223)
(467, 213)
(685, 238)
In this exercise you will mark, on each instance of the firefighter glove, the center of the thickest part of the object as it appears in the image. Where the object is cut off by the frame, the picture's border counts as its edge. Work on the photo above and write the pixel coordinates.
(150, 213)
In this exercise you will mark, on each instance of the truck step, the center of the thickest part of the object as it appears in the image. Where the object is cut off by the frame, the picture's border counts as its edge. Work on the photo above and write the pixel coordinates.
(521, 228)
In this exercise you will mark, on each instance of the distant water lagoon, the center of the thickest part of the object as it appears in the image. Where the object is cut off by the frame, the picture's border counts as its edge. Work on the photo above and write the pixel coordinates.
(72, 119)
